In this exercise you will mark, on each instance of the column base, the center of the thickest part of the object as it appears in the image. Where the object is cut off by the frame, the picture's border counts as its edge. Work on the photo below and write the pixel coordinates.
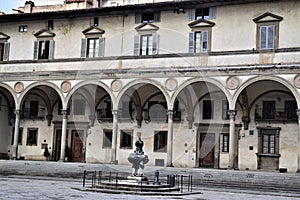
(170, 165)
(114, 162)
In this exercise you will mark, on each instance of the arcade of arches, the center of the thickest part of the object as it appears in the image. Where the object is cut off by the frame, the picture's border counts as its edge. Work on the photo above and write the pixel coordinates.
(196, 123)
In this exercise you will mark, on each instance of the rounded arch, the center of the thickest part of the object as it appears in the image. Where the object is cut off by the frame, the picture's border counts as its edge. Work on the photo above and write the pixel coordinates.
(266, 78)
(84, 83)
(140, 81)
(195, 80)
(36, 84)
(11, 92)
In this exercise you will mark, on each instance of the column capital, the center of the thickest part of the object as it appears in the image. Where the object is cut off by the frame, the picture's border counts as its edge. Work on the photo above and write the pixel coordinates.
(17, 112)
(231, 113)
(115, 112)
(64, 113)
(170, 113)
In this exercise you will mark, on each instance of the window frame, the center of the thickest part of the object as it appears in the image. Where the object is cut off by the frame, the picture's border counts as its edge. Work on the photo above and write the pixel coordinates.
(162, 136)
(210, 114)
(268, 131)
(275, 35)
(140, 17)
(225, 143)
(193, 42)
(138, 49)
(35, 138)
(23, 28)
(126, 139)
(107, 139)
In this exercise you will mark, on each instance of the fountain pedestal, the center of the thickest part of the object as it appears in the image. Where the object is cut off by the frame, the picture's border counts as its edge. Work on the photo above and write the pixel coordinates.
(138, 159)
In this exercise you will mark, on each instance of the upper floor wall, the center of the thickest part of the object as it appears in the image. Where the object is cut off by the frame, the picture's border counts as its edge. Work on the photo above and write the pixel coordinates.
(223, 30)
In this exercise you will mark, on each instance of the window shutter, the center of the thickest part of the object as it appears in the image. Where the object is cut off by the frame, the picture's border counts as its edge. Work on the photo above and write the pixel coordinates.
(36, 50)
(157, 16)
(212, 12)
(155, 44)
(204, 41)
(83, 47)
(101, 47)
(136, 45)
(192, 13)
(6, 51)
(138, 18)
(191, 42)
(51, 49)
(271, 33)
(263, 36)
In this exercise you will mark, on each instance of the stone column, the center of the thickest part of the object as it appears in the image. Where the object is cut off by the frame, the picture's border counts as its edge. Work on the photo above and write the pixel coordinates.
(16, 135)
(63, 135)
(114, 137)
(232, 143)
(298, 149)
(170, 139)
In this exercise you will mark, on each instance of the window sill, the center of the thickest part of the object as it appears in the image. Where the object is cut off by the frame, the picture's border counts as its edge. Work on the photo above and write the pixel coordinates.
(268, 155)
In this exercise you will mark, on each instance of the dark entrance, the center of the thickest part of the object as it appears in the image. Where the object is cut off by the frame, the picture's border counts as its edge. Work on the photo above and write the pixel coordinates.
(77, 146)
(207, 150)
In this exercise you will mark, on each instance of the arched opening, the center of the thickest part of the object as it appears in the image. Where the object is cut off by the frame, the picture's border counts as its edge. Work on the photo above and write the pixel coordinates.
(270, 127)
(39, 111)
(89, 128)
(143, 112)
(202, 133)
(7, 106)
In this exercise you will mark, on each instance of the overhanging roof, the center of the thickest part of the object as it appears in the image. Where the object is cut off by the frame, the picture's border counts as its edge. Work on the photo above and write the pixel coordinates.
(122, 10)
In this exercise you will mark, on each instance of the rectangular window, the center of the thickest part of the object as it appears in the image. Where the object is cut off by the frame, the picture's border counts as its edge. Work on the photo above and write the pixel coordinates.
(23, 28)
(268, 144)
(290, 108)
(126, 139)
(160, 141)
(199, 41)
(107, 139)
(208, 109)
(50, 25)
(43, 49)
(20, 137)
(79, 107)
(268, 140)
(225, 143)
(32, 135)
(202, 13)
(225, 108)
(93, 47)
(267, 37)
(96, 21)
(147, 17)
(146, 45)
(34, 108)
(268, 109)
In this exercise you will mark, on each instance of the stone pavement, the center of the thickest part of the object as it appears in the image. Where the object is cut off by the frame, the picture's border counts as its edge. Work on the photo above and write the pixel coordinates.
(211, 179)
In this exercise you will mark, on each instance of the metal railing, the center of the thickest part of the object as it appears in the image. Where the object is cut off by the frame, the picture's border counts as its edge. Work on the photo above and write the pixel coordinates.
(94, 179)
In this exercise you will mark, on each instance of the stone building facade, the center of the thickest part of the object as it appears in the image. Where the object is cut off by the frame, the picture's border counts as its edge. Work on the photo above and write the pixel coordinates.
(204, 83)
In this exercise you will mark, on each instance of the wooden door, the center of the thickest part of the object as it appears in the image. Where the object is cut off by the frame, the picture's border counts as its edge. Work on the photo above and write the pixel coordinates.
(57, 145)
(77, 146)
(207, 150)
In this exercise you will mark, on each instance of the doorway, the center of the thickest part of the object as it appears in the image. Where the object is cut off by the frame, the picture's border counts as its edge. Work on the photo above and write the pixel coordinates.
(207, 150)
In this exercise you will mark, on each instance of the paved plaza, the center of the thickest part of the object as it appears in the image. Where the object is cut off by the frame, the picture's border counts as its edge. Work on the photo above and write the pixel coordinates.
(55, 180)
